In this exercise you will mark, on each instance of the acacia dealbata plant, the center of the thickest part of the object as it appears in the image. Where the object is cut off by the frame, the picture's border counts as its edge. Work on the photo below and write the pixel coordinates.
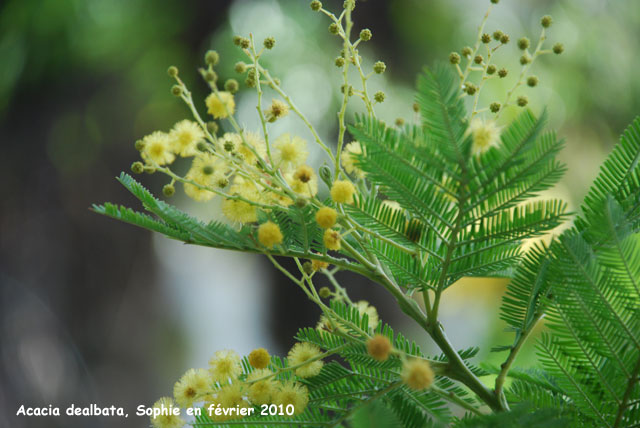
(414, 208)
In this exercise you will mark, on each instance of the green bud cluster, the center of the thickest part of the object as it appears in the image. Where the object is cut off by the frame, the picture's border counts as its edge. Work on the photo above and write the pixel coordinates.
(172, 71)
(379, 67)
(211, 58)
(168, 190)
(231, 85)
(269, 42)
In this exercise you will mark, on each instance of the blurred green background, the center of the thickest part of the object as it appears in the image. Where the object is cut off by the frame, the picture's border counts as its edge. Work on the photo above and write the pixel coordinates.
(94, 311)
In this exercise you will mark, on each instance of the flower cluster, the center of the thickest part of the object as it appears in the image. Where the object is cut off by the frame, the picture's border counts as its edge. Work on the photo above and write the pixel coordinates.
(228, 383)
(480, 62)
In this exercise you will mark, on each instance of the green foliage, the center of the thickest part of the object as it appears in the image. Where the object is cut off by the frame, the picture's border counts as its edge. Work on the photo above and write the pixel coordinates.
(463, 212)
(587, 283)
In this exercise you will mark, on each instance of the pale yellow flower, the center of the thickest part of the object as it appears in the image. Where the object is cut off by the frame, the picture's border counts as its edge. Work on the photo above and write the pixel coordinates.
(290, 151)
(225, 366)
(166, 418)
(157, 149)
(348, 159)
(191, 386)
(184, 138)
(303, 352)
(220, 105)
(485, 134)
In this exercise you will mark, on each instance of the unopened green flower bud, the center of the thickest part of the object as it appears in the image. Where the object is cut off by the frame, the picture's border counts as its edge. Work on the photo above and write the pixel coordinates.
(139, 145)
(211, 58)
(522, 101)
(172, 71)
(532, 81)
(558, 48)
(379, 96)
(467, 51)
(269, 42)
(245, 43)
(240, 67)
(212, 127)
(486, 38)
(470, 88)
(229, 146)
(505, 39)
(502, 73)
(222, 182)
(324, 292)
(137, 167)
(307, 267)
(333, 28)
(231, 85)
(546, 21)
(202, 146)
(525, 59)
(237, 40)
(348, 89)
(379, 67)
(315, 5)
(494, 107)
(416, 107)
(365, 35)
(497, 35)
(210, 76)
(491, 69)
(454, 58)
(176, 90)
(339, 62)
(301, 202)
(325, 174)
(478, 59)
(168, 190)
(495, 1)
(250, 81)
(399, 121)
(523, 43)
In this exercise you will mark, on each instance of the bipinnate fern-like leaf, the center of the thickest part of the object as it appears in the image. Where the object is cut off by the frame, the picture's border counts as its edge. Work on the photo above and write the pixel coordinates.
(587, 283)
(461, 214)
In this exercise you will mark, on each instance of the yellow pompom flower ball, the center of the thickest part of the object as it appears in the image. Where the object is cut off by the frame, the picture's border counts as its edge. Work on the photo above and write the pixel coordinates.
(231, 396)
(326, 217)
(290, 151)
(379, 347)
(167, 417)
(191, 386)
(184, 138)
(225, 365)
(292, 393)
(417, 374)
(485, 134)
(331, 239)
(372, 313)
(348, 159)
(221, 104)
(342, 192)
(259, 358)
(269, 234)
(157, 148)
(262, 387)
(300, 354)
(240, 211)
